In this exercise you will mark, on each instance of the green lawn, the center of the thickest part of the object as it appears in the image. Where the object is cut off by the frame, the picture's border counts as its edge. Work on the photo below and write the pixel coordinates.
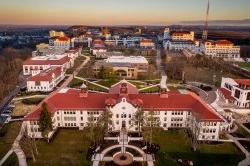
(245, 65)
(12, 160)
(75, 83)
(152, 89)
(69, 147)
(96, 88)
(8, 134)
(241, 133)
(108, 83)
(175, 145)
(139, 85)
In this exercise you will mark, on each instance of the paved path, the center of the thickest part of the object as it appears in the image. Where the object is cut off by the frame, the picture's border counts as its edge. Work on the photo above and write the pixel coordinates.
(83, 79)
(6, 156)
(18, 150)
(29, 97)
(70, 78)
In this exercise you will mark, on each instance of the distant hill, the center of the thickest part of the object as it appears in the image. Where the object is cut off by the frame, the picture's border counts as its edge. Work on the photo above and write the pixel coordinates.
(245, 22)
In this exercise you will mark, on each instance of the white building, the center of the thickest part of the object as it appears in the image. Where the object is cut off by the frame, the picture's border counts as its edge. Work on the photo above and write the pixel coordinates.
(59, 42)
(179, 40)
(53, 33)
(98, 46)
(221, 49)
(35, 65)
(46, 80)
(71, 108)
(236, 91)
(147, 44)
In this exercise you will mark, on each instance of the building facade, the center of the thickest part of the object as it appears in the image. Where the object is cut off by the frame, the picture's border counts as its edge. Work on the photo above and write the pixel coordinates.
(125, 66)
(221, 49)
(46, 81)
(71, 108)
(236, 91)
(36, 65)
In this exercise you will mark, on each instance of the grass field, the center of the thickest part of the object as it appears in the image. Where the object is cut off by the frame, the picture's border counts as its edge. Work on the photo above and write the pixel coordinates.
(175, 145)
(151, 90)
(21, 109)
(12, 160)
(6, 141)
(69, 147)
(245, 65)
(108, 83)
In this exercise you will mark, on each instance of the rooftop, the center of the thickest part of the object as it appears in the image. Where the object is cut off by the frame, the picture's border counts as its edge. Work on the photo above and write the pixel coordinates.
(71, 99)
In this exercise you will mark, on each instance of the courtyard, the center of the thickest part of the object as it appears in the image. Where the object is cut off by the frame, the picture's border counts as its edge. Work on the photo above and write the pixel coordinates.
(70, 146)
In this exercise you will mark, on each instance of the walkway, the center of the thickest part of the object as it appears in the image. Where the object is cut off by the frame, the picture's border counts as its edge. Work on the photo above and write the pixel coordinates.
(83, 79)
(29, 97)
(123, 144)
(70, 78)
(18, 150)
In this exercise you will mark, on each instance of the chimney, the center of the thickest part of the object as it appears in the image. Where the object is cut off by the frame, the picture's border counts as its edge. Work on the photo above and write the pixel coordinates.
(83, 91)
(163, 93)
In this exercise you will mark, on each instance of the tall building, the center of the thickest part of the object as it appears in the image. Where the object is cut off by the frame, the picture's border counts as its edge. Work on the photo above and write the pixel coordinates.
(221, 49)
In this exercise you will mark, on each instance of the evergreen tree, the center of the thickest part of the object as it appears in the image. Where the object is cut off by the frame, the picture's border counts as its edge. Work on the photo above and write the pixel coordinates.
(45, 122)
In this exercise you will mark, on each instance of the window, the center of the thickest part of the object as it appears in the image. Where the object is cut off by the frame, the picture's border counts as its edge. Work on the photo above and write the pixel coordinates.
(117, 115)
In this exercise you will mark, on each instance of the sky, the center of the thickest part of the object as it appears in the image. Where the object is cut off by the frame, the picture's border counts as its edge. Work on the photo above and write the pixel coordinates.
(118, 12)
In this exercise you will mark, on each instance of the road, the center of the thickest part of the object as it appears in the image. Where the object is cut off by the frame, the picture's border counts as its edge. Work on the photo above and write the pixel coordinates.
(6, 101)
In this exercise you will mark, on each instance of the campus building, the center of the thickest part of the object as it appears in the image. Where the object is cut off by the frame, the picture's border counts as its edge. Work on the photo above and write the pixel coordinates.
(236, 91)
(37, 64)
(98, 46)
(53, 33)
(46, 80)
(125, 66)
(147, 44)
(179, 40)
(71, 108)
(221, 49)
(60, 42)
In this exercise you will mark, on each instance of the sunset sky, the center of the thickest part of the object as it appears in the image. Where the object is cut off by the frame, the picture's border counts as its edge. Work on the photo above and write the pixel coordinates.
(118, 12)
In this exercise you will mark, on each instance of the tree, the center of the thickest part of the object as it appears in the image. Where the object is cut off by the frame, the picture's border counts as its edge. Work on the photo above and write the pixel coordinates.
(29, 144)
(138, 119)
(151, 123)
(105, 121)
(45, 122)
(91, 127)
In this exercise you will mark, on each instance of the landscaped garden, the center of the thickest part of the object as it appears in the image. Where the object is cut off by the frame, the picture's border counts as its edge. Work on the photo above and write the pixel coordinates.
(175, 144)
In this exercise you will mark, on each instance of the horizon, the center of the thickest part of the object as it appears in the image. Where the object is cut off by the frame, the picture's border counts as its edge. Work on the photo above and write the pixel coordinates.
(114, 13)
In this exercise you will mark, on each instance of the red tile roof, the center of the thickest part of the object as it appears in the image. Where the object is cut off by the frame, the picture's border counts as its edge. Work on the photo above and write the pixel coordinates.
(47, 75)
(98, 43)
(71, 100)
(32, 61)
(226, 93)
(243, 81)
(223, 42)
(61, 38)
(131, 89)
